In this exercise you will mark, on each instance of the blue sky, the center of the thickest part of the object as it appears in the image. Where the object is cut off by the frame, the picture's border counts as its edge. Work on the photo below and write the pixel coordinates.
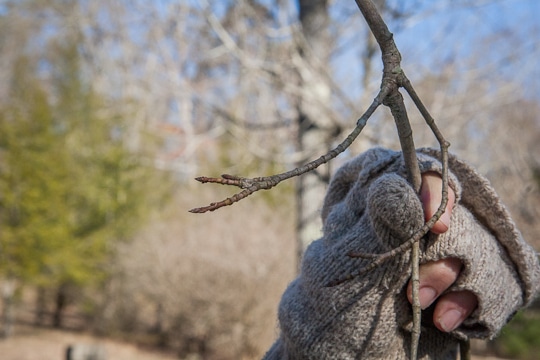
(497, 37)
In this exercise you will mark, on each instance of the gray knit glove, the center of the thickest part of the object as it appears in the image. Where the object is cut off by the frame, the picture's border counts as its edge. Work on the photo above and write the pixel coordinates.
(370, 208)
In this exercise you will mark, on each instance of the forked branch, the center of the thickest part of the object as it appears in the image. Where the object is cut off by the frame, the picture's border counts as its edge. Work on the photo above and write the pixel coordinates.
(251, 185)
(389, 95)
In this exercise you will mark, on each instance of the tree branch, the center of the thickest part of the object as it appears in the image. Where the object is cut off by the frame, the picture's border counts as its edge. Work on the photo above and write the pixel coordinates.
(389, 95)
(251, 185)
(395, 77)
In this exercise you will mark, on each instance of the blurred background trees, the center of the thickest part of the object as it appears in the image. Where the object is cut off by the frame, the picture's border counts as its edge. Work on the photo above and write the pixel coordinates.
(70, 187)
(109, 109)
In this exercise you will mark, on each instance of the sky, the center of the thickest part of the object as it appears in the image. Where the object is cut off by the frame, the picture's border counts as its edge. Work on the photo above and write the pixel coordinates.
(498, 35)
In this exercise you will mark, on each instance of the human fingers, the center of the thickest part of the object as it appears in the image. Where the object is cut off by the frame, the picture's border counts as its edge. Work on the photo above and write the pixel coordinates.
(431, 196)
(453, 308)
(435, 278)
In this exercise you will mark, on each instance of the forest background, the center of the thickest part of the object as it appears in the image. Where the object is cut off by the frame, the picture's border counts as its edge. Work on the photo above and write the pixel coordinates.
(109, 109)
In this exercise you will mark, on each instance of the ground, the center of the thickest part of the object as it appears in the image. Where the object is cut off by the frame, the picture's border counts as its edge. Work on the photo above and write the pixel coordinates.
(46, 344)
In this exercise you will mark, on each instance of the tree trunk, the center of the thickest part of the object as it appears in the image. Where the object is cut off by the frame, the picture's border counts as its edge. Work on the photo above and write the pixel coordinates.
(312, 123)
(41, 306)
(8, 312)
(61, 301)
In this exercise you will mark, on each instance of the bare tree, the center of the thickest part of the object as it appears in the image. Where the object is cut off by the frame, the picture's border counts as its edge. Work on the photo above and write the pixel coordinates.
(315, 128)
(184, 278)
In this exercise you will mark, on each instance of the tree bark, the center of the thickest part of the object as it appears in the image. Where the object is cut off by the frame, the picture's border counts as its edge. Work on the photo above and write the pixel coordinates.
(313, 126)
(41, 306)
(61, 301)
(8, 312)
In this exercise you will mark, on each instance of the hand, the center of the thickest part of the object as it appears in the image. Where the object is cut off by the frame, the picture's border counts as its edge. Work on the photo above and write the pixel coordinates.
(452, 308)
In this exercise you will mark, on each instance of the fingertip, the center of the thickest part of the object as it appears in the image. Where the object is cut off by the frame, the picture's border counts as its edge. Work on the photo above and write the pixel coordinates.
(409, 291)
(450, 320)
(453, 308)
(430, 193)
(442, 224)
(431, 197)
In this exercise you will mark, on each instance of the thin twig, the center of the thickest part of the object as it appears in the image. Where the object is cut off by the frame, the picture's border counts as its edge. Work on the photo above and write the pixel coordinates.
(252, 185)
(393, 79)
(413, 242)
(392, 74)
(399, 112)
(465, 348)
(379, 259)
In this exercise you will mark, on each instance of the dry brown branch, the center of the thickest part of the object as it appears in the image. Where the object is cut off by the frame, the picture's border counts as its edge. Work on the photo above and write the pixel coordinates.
(251, 185)
(393, 78)
(392, 72)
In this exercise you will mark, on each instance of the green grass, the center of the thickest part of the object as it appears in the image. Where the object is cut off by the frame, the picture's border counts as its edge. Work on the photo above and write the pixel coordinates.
(520, 338)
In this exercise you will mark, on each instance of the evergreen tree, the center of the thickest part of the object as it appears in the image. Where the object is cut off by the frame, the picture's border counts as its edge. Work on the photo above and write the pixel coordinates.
(69, 187)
